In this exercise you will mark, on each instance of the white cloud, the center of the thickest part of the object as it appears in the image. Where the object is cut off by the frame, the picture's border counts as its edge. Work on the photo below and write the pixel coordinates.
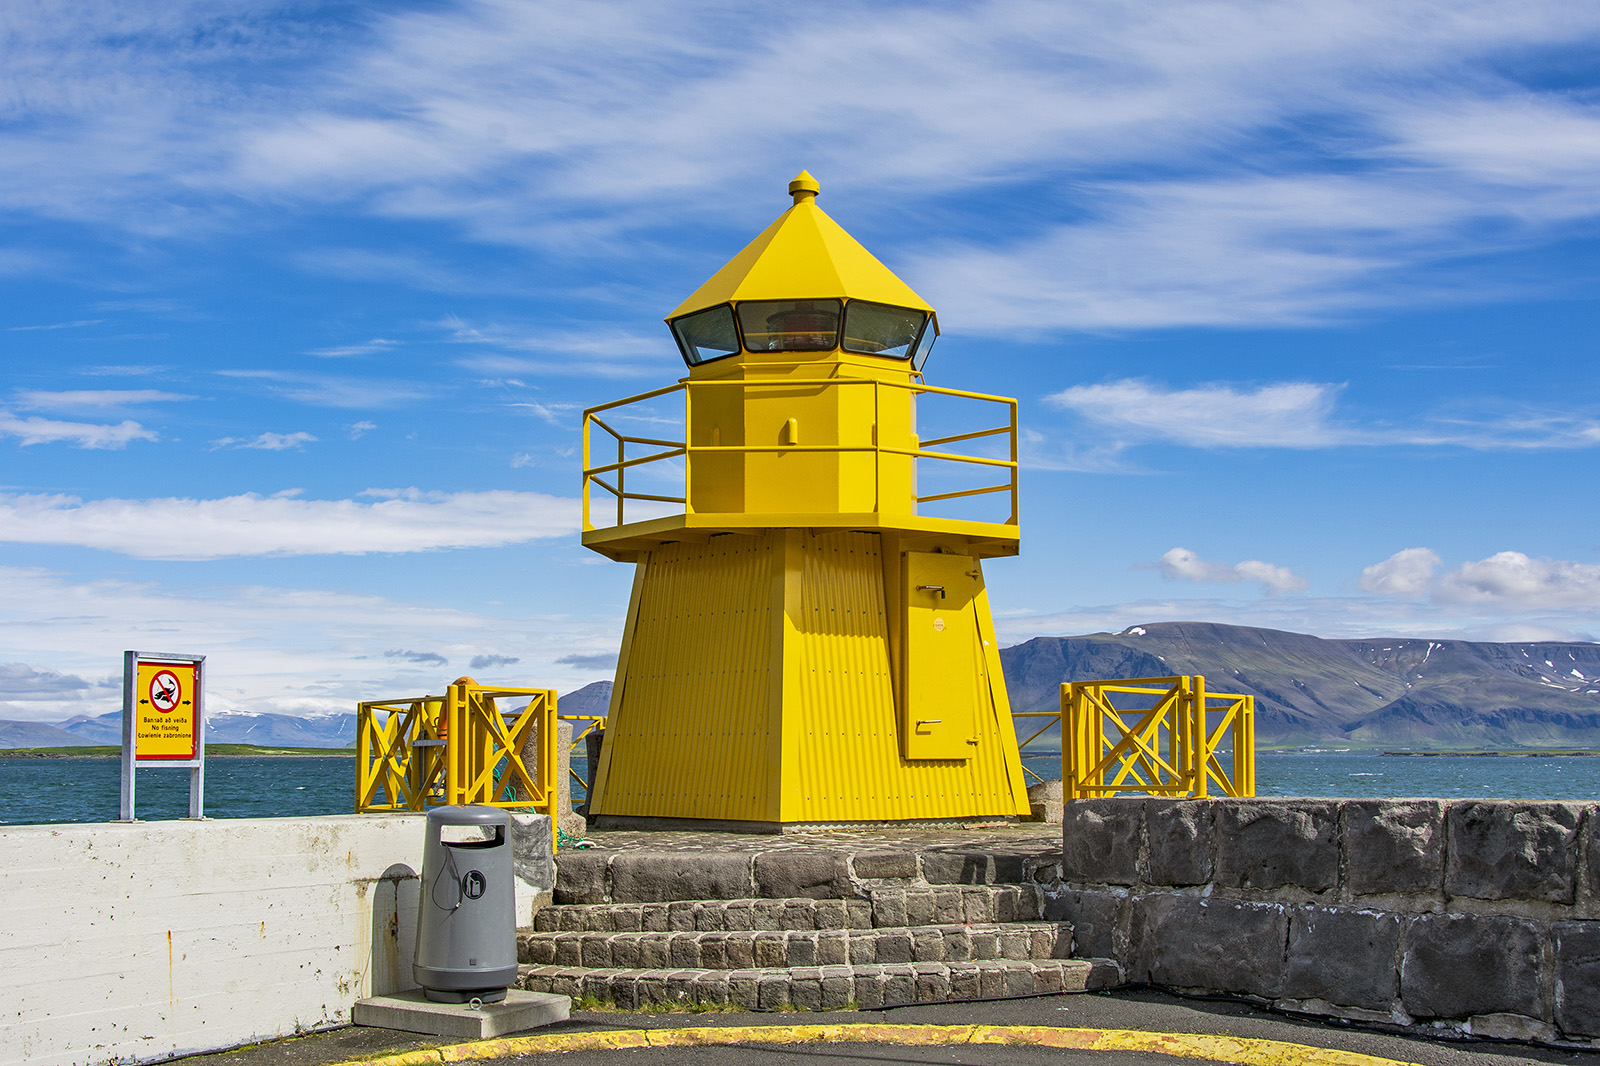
(548, 412)
(1515, 581)
(1298, 415)
(375, 345)
(1181, 564)
(1293, 415)
(1407, 573)
(1376, 137)
(252, 525)
(286, 650)
(598, 352)
(322, 390)
(35, 430)
(21, 681)
(92, 399)
(361, 429)
(267, 442)
(55, 325)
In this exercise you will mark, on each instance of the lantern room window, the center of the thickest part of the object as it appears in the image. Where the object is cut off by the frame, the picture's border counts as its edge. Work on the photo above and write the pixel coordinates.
(706, 335)
(879, 329)
(790, 325)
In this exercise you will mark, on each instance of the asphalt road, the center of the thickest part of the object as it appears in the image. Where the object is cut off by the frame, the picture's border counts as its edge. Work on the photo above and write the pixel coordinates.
(1127, 1010)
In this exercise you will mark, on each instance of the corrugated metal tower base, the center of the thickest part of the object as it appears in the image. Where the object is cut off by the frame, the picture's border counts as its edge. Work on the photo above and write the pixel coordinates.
(757, 689)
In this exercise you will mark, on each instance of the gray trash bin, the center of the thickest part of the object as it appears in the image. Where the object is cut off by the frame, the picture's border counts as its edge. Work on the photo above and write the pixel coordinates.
(466, 920)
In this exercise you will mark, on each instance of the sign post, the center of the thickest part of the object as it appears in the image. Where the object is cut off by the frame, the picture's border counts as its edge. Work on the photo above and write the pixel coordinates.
(163, 722)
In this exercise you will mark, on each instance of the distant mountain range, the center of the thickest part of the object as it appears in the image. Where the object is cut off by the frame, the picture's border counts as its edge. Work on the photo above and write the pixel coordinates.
(1400, 693)
(245, 727)
(1389, 692)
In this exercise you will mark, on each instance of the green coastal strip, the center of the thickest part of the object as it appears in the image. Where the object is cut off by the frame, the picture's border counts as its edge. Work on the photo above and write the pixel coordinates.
(1551, 753)
(213, 751)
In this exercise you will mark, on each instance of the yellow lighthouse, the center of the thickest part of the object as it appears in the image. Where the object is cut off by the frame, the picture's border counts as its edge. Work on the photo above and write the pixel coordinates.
(808, 639)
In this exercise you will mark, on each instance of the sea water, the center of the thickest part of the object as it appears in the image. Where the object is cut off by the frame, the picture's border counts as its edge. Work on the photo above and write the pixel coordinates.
(86, 790)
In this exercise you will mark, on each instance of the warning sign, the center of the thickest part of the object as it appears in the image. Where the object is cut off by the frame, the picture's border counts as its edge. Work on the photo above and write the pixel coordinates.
(166, 695)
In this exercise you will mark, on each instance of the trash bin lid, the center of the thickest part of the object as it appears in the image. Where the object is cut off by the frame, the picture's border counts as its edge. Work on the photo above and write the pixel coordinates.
(475, 814)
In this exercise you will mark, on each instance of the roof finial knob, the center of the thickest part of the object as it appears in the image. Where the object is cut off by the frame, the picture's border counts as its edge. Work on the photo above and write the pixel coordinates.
(804, 187)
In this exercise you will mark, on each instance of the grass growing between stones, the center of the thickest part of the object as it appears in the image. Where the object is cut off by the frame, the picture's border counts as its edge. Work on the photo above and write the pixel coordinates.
(591, 1003)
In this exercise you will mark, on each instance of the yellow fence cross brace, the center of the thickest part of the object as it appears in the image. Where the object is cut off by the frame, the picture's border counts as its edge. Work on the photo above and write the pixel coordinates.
(1166, 746)
(459, 748)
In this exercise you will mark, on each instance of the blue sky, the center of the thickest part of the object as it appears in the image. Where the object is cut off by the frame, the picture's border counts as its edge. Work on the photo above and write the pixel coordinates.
(300, 305)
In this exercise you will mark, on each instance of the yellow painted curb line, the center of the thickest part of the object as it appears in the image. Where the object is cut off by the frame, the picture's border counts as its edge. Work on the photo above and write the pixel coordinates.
(1245, 1051)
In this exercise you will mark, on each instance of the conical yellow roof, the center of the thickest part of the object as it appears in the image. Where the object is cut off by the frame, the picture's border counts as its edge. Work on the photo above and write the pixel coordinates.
(803, 255)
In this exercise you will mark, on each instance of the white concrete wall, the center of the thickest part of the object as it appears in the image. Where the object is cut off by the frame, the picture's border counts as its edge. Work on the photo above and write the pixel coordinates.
(133, 943)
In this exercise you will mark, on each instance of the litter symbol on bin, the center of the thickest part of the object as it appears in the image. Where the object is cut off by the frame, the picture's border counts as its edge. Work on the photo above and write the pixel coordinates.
(473, 884)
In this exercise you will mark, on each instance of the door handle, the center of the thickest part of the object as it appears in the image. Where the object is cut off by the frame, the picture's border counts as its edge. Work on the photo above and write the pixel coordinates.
(932, 588)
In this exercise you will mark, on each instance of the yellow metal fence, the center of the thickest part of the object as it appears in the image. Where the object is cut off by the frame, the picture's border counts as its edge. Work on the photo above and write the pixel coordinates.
(1166, 736)
(428, 751)
(611, 476)
(579, 736)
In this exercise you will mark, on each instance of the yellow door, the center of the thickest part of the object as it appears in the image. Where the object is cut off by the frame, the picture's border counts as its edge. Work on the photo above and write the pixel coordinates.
(942, 656)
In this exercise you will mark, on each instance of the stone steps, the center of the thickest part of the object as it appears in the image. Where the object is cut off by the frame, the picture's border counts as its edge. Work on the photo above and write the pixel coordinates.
(834, 987)
(869, 920)
(776, 949)
(887, 908)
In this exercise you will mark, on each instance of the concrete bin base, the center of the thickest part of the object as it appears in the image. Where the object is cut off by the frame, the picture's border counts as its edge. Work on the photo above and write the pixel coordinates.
(415, 1013)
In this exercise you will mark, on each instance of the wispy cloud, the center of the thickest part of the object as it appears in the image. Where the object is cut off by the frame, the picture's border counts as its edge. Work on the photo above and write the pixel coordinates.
(1299, 415)
(375, 345)
(35, 430)
(1181, 564)
(21, 681)
(288, 650)
(485, 662)
(1380, 138)
(401, 520)
(267, 442)
(421, 658)
(79, 324)
(390, 268)
(597, 661)
(361, 429)
(600, 352)
(548, 412)
(322, 390)
(93, 399)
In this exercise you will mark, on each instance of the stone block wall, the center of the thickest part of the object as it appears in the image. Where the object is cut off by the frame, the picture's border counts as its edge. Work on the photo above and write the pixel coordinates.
(1481, 916)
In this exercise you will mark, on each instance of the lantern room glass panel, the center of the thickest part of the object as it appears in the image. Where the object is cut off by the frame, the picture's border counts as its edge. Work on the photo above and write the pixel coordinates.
(879, 329)
(790, 325)
(706, 335)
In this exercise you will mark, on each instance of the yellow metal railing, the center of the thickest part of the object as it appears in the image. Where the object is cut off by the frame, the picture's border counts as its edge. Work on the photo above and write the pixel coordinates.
(429, 751)
(596, 721)
(611, 476)
(1052, 721)
(1166, 736)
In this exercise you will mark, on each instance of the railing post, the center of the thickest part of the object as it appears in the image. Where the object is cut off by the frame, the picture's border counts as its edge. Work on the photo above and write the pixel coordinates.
(547, 764)
(363, 750)
(453, 744)
(587, 526)
(1202, 737)
(688, 447)
(1069, 743)
(1244, 747)
(622, 477)
(422, 769)
(1016, 469)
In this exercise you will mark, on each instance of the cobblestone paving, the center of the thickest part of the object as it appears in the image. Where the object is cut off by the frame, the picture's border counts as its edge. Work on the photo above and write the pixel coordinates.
(1029, 838)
